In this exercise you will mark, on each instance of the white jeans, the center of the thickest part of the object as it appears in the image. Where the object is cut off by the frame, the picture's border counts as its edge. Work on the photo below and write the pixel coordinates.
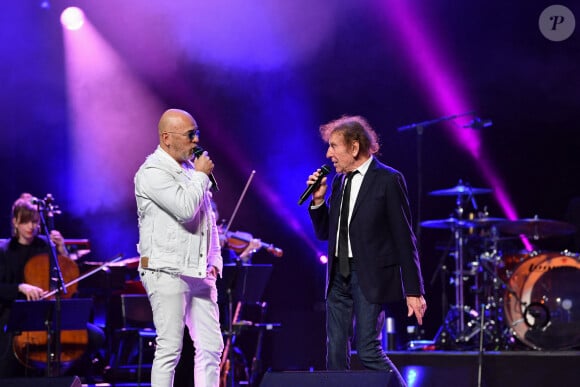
(177, 301)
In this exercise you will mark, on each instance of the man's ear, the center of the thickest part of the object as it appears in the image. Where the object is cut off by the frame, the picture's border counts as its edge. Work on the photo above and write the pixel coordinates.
(165, 138)
(355, 149)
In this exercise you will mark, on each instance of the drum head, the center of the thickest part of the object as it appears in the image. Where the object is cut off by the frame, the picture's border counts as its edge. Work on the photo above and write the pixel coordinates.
(510, 262)
(542, 302)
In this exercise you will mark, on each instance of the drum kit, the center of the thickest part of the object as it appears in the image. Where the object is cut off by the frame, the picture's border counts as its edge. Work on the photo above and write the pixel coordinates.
(526, 299)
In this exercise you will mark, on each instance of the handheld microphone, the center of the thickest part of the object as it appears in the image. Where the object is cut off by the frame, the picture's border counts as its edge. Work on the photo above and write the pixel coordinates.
(198, 151)
(324, 170)
(37, 202)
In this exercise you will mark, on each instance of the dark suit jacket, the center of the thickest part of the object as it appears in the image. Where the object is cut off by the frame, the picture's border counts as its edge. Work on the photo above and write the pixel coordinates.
(381, 235)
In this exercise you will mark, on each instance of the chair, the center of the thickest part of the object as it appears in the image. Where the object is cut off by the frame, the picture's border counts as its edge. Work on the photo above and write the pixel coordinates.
(137, 328)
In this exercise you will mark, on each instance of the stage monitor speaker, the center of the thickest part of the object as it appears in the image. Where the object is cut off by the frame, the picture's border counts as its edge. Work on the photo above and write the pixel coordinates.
(61, 381)
(329, 379)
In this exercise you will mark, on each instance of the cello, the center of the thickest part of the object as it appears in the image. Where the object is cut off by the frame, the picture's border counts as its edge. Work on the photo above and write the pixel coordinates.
(36, 349)
(32, 348)
(43, 349)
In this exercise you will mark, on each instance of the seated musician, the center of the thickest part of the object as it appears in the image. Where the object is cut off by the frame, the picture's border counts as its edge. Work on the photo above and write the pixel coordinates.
(15, 252)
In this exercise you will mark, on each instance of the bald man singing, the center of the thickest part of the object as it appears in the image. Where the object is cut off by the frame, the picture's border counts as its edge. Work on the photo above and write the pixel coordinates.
(180, 250)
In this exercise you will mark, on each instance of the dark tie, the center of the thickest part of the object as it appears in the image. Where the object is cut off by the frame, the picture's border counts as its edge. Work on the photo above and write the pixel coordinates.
(343, 228)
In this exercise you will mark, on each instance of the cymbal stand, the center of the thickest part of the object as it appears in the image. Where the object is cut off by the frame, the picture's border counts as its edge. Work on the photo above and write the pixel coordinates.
(480, 352)
(453, 329)
(458, 278)
(489, 275)
(495, 297)
(459, 240)
(463, 330)
(487, 313)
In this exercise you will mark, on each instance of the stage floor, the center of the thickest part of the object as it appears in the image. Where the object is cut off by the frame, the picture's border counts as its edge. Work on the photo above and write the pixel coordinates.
(498, 369)
(462, 369)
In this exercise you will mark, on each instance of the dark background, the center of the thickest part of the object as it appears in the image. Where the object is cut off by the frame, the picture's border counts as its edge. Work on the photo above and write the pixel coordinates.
(260, 78)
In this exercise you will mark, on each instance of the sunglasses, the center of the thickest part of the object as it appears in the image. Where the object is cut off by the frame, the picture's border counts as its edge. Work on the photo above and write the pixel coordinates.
(191, 134)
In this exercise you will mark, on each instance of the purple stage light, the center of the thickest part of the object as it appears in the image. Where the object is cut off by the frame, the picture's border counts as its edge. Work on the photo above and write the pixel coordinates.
(442, 84)
(72, 18)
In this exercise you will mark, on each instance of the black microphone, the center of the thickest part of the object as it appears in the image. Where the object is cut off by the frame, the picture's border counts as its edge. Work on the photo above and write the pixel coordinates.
(324, 170)
(478, 123)
(198, 151)
(37, 202)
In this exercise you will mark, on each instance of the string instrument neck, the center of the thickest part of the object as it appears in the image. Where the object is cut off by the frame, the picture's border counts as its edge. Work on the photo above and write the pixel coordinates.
(238, 237)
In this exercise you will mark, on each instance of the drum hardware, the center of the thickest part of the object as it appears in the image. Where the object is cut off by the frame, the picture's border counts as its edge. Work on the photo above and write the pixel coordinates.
(480, 353)
(528, 298)
(449, 223)
(463, 323)
(537, 316)
(494, 275)
(473, 269)
(460, 190)
(419, 128)
(488, 299)
(457, 225)
(447, 337)
(475, 325)
(537, 228)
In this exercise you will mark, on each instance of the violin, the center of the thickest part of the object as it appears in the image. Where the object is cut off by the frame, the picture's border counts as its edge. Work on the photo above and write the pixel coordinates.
(239, 241)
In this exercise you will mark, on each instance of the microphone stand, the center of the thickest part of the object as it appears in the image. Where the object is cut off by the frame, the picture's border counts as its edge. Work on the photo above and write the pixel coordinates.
(56, 281)
(419, 128)
(480, 352)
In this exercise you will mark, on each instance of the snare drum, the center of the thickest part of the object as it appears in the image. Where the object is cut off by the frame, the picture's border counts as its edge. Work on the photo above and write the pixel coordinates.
(542, 301)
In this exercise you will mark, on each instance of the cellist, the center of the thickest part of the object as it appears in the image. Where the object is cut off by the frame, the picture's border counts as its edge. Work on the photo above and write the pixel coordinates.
(15, 252)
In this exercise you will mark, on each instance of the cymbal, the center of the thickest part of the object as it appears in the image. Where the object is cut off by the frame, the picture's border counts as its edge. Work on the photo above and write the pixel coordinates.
(537, 228)
(486, 221)
(460, 189)
(449, 223)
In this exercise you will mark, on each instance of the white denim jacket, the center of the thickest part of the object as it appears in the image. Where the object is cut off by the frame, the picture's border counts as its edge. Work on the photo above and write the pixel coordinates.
(177, 227)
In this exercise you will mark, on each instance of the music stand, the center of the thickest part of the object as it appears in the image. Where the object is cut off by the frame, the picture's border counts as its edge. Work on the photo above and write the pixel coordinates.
(245, 281)
(241, 283)
(32, 315)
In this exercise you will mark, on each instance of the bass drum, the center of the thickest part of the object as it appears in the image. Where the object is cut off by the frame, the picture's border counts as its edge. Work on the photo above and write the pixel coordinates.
(542, 301)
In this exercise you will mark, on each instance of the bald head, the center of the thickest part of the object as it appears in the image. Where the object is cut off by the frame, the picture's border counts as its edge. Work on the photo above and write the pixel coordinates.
(178, 134)
(173, 119)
